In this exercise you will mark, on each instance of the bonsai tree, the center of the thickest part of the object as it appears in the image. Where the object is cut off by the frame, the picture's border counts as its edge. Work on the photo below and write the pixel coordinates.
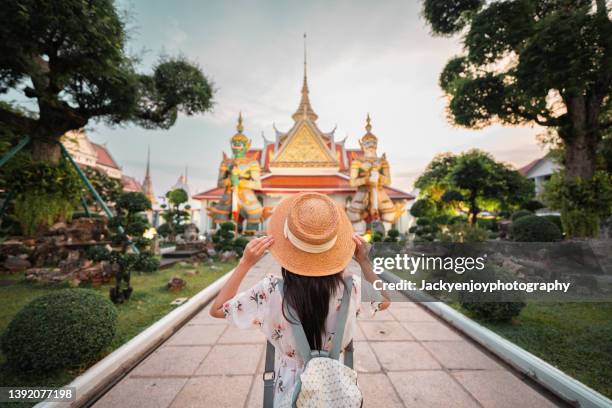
(68, 59)
(109, 188)
(176, 212)
(531, 62)
(129, 228)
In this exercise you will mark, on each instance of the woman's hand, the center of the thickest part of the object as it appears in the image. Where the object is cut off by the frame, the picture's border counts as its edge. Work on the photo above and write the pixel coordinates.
(255, 250)
(362, 249)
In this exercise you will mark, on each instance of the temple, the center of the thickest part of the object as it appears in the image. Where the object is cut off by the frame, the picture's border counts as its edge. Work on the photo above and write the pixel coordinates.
(303, 158)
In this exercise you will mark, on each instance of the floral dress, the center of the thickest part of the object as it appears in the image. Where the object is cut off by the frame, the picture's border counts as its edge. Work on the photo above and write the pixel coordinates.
(260, 307)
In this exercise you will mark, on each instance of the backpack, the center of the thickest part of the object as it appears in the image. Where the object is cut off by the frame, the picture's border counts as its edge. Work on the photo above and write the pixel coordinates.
(325, 381)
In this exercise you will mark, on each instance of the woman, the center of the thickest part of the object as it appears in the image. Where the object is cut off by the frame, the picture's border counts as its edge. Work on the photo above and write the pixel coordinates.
(312, 239)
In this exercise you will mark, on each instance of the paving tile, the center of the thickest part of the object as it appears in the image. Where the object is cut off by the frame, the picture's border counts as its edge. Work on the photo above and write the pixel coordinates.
(234, 335)
(431, 389)
(431, 331)
(377, 391)
(142, 392)
(364, 359)
(204, 317)
(500, 389)
(214, 391)
(366, 314)
(461, 355)
(411, 314)
(403, 355)
(385, 331)
(231, 359)
(195, 335)
(172, 361)
(358, 335)
(256, 394)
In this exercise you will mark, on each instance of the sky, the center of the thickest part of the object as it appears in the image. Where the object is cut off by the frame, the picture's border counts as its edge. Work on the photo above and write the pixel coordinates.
(363, 57)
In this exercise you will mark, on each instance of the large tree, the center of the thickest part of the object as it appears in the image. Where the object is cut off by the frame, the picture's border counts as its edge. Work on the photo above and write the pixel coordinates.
(545, 62)
(69, 57)
(474, 180)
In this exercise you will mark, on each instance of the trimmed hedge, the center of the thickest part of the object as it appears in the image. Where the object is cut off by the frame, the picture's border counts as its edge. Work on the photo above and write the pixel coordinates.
(487, 305)
(535, 229)
(61, 329)
(519, 214)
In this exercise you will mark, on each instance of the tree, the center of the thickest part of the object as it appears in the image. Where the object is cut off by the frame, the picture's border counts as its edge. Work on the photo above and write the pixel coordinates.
(109, 188)
(70, 59)
(475, 180)
(176, 212)
(531, 62)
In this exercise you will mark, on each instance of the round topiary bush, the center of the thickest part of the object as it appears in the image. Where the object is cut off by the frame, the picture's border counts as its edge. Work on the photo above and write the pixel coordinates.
(489, 306)
(519, 214)
(61, 329)
(535, 229)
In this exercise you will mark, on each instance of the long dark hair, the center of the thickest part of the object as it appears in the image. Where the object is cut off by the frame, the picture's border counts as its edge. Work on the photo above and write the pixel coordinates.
(309, 297)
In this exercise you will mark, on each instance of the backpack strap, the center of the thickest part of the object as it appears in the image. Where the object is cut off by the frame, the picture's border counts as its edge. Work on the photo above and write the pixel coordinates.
(301, 341)
(341, 319)
(268, 377)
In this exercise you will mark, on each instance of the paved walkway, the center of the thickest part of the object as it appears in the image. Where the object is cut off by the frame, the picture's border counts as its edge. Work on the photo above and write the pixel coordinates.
(405, 357)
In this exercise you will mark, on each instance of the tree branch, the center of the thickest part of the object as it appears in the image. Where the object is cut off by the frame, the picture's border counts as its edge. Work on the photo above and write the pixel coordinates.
(16, 121)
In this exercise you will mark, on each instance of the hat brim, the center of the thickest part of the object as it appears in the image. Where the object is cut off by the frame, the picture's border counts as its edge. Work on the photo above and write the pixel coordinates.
(304, 263)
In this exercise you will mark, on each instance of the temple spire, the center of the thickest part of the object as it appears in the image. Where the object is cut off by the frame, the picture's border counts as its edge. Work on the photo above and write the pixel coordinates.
(239, 125)
(304, 110)
(147, 184)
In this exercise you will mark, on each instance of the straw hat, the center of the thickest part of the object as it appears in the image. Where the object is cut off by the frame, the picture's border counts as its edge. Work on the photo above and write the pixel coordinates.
(312, 235)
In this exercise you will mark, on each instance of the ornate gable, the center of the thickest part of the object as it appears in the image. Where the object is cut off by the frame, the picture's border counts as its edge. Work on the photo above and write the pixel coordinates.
(304, 147)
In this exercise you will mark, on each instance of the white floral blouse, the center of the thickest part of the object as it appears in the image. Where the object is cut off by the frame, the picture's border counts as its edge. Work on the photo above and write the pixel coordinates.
(260, 307)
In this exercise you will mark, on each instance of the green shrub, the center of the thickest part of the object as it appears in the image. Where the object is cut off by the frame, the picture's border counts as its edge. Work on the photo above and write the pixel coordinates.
(239, 244)
(422, 207)
(423, 221)
(555, 219)
(146, 262)
(535, 229)
(486, 305)
(578, 223)
(65, 328)
(462, 232)
(488, 224)
(532, 205)
(520, 213)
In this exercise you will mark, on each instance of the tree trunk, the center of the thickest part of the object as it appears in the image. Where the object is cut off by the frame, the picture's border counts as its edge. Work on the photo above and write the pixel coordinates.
(45, 151)
(581, 138)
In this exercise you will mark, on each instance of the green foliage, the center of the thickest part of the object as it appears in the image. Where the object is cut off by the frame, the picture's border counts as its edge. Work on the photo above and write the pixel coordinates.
(146, 262)
(393, 235)
(583, 203)
(176, 214)
(555, 219)
(520, 213)
(472, 179)
(449, 16)
(107, 187)
(463, 232)
(532, 205)
(535, 229)
(133, 202)
(225, 240)
(488, 224)
(62, 329)
(76, 54)
(44, 193)
(486, 305)
(422, 208)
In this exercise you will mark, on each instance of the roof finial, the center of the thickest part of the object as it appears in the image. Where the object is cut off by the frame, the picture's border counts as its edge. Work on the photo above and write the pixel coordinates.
(304, 109)
(305, 59)
(239, 126)
(368, 123)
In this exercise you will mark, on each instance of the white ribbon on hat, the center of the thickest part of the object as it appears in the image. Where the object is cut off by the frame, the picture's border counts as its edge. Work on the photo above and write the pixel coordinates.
(305, 246)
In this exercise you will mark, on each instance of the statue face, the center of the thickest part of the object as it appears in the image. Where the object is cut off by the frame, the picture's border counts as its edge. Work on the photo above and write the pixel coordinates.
(239, 149)
(369, 148)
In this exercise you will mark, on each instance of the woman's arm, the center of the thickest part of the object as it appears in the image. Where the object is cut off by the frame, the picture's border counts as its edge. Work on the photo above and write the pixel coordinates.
(252, 253)
(361, 256)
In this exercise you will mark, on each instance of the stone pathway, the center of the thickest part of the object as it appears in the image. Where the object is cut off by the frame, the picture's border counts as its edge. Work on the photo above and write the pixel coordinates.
(405, 357)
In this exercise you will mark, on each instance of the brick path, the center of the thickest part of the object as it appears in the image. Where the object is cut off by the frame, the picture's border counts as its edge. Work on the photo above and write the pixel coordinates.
(405, 357)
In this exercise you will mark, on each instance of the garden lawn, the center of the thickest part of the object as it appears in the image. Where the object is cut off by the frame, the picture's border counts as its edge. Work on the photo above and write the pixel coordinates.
(149, 302)
(574, 337)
